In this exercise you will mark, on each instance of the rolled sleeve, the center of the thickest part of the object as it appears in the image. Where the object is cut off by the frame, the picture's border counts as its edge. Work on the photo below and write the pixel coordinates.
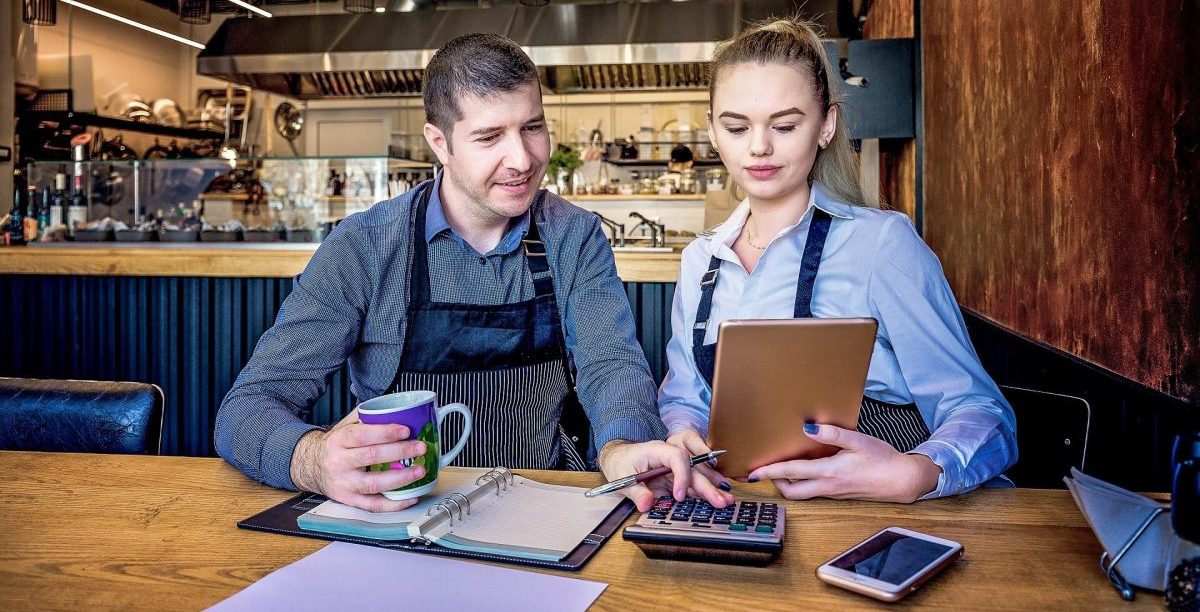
(973, 428)
(614, 382)
(263, 416)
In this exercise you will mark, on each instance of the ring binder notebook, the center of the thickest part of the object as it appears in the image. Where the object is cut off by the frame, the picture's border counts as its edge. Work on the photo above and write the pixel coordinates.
(494, 515)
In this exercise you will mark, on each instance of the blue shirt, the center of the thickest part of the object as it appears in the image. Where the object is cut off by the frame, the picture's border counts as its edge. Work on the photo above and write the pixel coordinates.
(874, 265)
(349, 306)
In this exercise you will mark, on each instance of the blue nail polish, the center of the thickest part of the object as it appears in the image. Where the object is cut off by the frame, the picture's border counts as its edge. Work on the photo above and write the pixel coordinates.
(752, 479)
(725, 486)
(811, 428)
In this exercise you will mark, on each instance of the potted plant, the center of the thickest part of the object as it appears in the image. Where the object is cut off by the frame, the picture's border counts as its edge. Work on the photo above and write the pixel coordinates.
(563, 163)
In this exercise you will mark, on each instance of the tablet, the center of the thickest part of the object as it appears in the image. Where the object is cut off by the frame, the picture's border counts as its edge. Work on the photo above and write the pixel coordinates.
(773, 374)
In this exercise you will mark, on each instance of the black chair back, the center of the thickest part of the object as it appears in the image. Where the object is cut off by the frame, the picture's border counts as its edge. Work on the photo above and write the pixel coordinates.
(82, 416)
(1052, 432)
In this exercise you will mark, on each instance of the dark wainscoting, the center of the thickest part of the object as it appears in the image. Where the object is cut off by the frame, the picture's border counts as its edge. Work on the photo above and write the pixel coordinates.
(191, 336)
(1132, 426)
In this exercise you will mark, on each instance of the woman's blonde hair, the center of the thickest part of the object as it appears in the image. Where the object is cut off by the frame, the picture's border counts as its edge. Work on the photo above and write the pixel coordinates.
(795, 43)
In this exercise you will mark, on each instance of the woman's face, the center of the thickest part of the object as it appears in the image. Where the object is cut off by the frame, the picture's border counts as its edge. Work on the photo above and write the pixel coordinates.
(766, 121)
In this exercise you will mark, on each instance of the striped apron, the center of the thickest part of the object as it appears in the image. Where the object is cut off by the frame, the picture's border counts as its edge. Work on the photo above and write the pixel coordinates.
(898, 425)
(506, 362)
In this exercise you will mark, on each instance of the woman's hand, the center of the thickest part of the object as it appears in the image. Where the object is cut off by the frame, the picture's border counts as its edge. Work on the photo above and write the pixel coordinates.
(865, 468)
(619, 458)
(691, 441)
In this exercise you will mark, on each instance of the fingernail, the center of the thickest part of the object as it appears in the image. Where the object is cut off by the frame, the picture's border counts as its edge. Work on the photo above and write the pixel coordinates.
(712, 463)
(420, 448)
(752, 479)
(418, 471)
(725, 486)
(811, 428)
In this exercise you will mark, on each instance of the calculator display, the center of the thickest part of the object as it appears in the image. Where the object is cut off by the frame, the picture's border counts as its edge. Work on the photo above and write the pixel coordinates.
(891, 557)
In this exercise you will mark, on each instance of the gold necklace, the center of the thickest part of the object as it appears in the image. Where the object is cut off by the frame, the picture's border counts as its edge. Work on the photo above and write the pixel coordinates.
(750, 235)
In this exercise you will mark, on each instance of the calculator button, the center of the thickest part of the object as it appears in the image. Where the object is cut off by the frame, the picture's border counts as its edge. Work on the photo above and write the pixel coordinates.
(765, 528)
(737, 527)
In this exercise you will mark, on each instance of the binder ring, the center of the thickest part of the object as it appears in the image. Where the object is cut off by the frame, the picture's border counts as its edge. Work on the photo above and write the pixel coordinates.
(447, 500)
(506, 473)
(501, 476)
(443, 508)
(465, 500)
(489, 477)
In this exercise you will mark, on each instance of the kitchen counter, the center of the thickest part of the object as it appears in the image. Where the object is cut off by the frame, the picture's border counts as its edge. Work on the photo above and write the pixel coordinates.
(240, 260)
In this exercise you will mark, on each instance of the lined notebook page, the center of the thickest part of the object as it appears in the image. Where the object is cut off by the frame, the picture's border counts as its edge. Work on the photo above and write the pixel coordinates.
(534, 515)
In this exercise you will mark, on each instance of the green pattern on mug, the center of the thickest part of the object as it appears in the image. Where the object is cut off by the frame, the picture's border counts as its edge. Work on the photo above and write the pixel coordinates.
(430, 460)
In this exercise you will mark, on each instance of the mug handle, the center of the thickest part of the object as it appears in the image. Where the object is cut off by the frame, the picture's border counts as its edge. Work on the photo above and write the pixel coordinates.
(462, 440)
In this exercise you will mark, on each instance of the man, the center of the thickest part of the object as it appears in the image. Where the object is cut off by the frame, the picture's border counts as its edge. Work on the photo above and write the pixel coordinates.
(471, 285)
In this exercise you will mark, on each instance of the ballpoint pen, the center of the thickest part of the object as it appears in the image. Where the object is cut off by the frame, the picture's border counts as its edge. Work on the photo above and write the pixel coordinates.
(629, 481)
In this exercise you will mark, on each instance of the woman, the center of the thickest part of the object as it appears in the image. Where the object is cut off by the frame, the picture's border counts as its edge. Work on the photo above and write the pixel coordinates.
(932, 422)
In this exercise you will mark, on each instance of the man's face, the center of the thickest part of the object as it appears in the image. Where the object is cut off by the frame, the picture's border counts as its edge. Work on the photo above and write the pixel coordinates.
(496, 154)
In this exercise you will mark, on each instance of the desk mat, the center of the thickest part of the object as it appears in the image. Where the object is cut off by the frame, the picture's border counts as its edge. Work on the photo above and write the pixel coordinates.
(282, 519)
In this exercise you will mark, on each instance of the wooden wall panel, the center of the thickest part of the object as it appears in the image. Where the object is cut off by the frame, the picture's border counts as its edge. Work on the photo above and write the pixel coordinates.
(1062, 175)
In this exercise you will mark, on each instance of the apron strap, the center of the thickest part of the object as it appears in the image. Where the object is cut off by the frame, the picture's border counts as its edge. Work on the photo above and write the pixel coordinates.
(418, 286)
(708, 283)
(535, 256)
(573, 417)
(818, 230)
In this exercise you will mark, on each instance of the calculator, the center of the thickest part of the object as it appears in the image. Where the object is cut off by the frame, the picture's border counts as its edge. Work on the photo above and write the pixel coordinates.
(746, 533)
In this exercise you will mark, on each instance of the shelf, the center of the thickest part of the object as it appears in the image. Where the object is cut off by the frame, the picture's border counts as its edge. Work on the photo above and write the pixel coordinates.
(652, 163)
(117, 123)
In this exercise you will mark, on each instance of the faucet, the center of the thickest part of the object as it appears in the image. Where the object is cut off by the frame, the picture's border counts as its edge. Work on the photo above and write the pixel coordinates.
(657, 230)
(616, 229)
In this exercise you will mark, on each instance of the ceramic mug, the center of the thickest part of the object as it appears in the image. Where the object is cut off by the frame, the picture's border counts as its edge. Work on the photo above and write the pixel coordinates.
(419, 412)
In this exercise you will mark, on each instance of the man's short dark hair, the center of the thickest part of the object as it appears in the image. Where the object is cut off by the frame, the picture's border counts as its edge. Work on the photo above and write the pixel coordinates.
(477, 64)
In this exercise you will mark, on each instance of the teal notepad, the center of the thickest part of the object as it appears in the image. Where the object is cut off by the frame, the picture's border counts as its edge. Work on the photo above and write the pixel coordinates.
(491, 512)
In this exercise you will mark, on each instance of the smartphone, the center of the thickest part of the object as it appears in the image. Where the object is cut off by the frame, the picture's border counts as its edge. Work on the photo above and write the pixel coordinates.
(891, 563)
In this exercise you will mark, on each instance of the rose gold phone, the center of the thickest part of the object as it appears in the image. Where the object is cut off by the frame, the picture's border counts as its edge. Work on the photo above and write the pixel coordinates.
(891, 563)
(772, 375)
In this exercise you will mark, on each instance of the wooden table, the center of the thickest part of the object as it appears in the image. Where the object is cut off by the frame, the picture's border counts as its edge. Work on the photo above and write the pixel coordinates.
(158, 533)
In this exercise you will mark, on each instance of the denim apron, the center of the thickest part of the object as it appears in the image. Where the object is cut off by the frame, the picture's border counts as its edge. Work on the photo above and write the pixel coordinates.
(507, 362)
(898, 425)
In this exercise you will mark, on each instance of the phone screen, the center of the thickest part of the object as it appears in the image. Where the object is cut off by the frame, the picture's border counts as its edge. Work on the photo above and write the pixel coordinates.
(890, 557)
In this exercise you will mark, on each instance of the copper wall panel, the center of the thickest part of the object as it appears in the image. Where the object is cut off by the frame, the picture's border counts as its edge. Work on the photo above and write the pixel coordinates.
(1062, 175)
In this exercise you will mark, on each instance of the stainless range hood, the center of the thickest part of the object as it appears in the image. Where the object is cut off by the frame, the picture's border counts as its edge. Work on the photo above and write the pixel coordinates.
(580, 47)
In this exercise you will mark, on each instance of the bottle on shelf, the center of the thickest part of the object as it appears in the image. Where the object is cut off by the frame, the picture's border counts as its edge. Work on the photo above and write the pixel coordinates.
(32, 207)
(59, 202)
(77, 211)
(43, 217)
(16, 218)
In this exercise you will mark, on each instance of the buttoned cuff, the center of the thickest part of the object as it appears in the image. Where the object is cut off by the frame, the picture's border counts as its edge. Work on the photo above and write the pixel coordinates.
(681, 425)
(277, 452)
(945, 456)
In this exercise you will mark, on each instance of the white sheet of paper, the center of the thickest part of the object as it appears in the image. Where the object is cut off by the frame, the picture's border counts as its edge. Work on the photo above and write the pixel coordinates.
(344, 576)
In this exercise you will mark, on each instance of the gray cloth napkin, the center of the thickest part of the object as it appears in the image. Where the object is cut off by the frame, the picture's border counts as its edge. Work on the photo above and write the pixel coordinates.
(1115, 515)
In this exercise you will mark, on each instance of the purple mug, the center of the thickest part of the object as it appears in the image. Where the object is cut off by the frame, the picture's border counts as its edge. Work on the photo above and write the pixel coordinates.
(419, 412)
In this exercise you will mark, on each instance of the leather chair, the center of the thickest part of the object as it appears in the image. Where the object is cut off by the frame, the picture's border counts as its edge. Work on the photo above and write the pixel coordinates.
(82, 416)
(1052, 434)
